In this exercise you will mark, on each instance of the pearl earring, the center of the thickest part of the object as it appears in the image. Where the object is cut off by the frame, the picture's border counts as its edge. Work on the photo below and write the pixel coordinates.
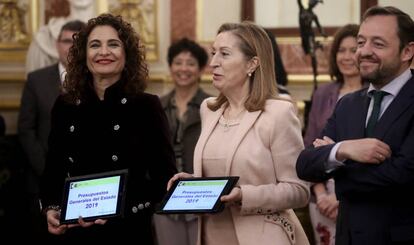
(249, 74)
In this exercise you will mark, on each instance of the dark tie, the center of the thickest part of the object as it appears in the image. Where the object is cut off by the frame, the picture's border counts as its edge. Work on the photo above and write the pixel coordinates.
(378, 96)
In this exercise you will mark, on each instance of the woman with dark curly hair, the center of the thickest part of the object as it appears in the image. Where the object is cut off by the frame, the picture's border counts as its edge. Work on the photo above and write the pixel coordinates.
(104, 122)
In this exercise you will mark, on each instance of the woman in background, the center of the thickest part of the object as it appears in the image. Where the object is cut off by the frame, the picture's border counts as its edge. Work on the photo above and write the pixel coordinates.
(323, 207)
(248, 131)
(186, 60)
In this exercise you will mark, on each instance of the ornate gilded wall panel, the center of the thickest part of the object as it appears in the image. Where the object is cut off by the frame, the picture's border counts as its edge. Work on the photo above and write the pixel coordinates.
(142, 14)
(16, 28)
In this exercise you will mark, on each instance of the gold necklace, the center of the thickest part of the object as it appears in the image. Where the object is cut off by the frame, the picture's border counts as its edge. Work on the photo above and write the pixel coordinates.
(231, 121)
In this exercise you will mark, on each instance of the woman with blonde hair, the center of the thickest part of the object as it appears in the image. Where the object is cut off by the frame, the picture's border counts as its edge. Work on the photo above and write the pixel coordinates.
(262, 141)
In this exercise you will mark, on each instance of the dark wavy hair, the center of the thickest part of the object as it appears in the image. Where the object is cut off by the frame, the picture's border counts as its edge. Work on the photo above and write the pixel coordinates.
(134, 74)
(350, 30)
(186, 44)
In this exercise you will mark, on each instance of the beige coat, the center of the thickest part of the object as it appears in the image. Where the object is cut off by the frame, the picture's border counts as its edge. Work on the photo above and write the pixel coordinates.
(263, 154)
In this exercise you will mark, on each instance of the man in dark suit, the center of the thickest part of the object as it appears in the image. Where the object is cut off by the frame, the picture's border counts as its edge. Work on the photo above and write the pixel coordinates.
(372, 160)
(39, 94)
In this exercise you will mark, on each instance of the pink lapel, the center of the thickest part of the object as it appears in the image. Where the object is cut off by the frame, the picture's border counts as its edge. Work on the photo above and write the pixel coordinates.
(246, 123)
(212, 118)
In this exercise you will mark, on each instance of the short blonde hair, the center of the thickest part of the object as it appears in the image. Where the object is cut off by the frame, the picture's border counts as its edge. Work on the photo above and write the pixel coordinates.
(253, 42)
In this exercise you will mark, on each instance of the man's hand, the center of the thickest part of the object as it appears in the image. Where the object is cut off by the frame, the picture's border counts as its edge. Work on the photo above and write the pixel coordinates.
(368, 150)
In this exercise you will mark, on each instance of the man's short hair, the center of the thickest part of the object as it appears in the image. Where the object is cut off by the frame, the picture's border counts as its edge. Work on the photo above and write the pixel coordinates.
(404, 22)
(73, 25)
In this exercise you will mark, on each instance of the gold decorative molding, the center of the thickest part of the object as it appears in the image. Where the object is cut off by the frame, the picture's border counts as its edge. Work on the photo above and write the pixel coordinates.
(15, 51)
(101, 6)
(297, 40)
(307, 79)
(14, 27)
(158, 78)
(12, 55)
(301, 107)
(199, 19)
(9, 104)
(12, 77)
(143, 16)
(34, 15)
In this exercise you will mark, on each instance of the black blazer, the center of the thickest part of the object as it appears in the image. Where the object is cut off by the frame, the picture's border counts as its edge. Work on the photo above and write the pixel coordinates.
(120, 132)
(375, 200)
(39, 94)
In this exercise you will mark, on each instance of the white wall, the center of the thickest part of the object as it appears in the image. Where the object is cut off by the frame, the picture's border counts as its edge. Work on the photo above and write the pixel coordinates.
(212, 14)
(405, 5)
(163, 22)
(285, 13)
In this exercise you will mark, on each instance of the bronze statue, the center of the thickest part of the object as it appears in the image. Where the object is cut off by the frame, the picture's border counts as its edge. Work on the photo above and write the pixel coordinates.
(309, 44)
(306, 19)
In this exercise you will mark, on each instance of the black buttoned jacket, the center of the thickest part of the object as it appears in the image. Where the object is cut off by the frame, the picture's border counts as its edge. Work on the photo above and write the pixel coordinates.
(120, 132)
